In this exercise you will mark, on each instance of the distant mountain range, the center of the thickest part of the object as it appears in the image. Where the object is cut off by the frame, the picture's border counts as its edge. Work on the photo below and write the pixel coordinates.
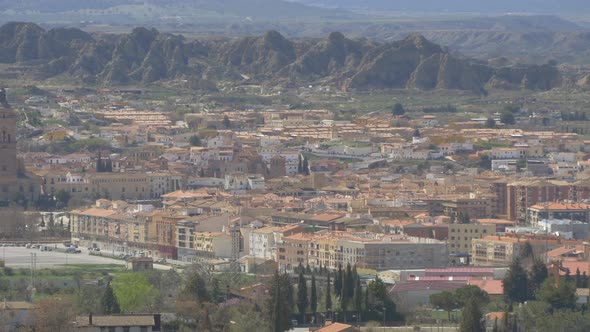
(473, 6)
(146, 56)
(129, 11)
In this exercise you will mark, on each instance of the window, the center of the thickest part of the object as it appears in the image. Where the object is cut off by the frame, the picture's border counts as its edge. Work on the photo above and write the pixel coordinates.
(143, 329)
(126, 329)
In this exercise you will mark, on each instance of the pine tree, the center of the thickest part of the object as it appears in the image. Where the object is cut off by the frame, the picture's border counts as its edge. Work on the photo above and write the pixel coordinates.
(472, 318)
(537, 275)
(328, 294)
(108, 302)
(302, 299)
(313, 298)
(515, 283)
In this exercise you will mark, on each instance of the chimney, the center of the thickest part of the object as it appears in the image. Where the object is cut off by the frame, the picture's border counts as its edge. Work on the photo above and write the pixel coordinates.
(90, 319)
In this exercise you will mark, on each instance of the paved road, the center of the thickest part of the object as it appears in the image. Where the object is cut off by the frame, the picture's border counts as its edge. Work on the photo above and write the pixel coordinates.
(20, 257)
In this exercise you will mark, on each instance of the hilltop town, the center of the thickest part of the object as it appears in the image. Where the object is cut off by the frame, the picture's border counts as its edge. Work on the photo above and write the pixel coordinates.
(423, 200)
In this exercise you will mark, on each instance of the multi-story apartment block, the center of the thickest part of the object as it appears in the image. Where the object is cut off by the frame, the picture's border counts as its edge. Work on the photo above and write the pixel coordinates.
(262, 242)
(366, 250)
(521, 195)
(461, 235)
(552, 210)
(502, 250)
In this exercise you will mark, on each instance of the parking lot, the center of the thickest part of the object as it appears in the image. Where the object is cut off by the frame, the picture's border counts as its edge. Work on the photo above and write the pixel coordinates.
(20, 257)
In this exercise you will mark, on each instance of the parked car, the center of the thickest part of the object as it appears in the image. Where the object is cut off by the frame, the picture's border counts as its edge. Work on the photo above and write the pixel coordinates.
(45, 248)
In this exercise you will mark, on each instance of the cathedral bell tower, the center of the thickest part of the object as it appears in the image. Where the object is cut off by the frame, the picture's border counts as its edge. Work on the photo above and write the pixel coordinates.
(8, 160)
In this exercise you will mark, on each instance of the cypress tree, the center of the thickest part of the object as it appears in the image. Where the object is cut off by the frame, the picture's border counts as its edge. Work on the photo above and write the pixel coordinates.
(108, 302)
(472, 318)
(348, 283)
(280, 303)
(328, 295)
(313, 299)
(277, 312)
(338, 281)
(302, 299)
(344, 299)
(357, 299)
(367, 299)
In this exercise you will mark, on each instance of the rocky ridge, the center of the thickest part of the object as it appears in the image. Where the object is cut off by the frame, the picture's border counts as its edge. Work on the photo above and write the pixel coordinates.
(146, 56)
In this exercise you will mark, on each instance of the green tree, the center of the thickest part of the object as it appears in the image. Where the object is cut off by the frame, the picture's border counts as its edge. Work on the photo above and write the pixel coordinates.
(527, 251)
(302, 299)
(226, 122)
(357, 299)
(108, 302)
(215, 290)
(490, 123)
(338, 281)
(195, 140)
(328, 295)
(63, 198)
(444, 300)
(507, 118)
(561, 297)
(398, 109)
(380, 303)
(313, 298)
(485, 162)
(472, 318)
(134, 292)
(196, 287)
(280, 303)
(463, 294)
(515, 283)
(349, 281)
(537, 276)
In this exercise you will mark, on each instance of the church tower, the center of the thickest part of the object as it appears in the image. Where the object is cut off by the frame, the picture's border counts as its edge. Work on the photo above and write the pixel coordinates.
(8, 159)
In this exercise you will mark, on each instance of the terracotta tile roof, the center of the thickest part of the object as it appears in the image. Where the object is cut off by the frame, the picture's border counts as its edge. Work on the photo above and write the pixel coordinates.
(561, 206)
(492, 287)
(96, 212)
(335, 327)
(560, 251)
(492, 316)
(573, 266)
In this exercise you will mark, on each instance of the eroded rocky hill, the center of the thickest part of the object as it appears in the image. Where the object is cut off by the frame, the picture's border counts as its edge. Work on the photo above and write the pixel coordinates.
(146, 56)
